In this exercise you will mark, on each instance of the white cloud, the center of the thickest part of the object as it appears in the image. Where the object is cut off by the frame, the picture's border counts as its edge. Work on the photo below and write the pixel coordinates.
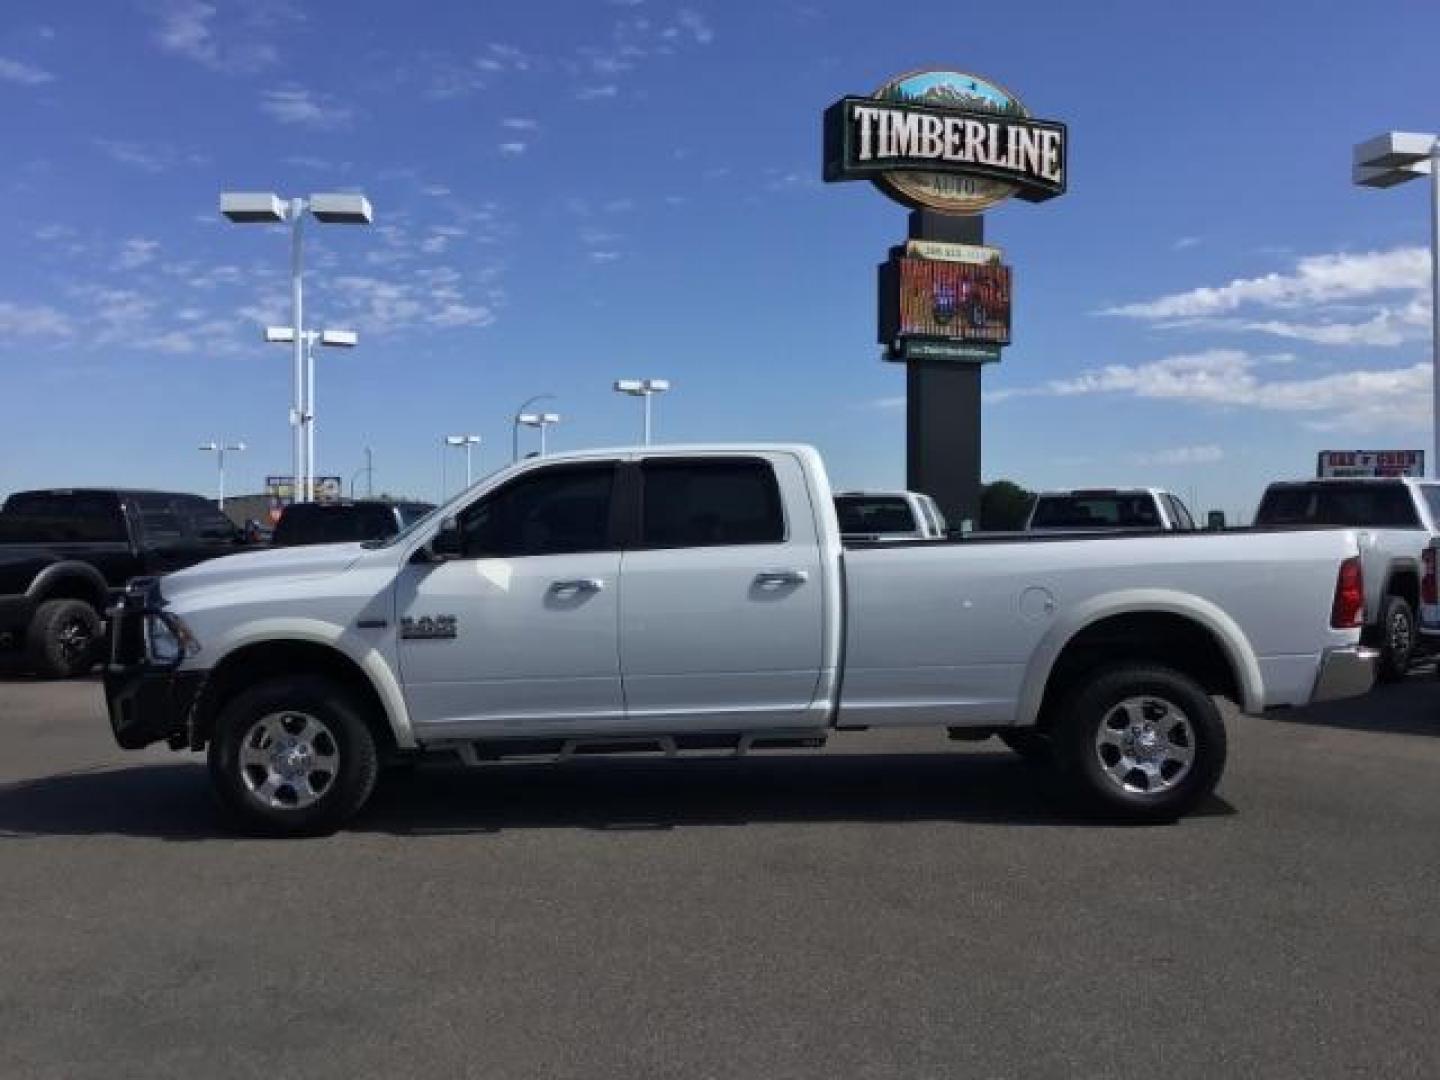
(1376, 399)
(520, 123)
(33, 320)
(1206, 454)
(1317, 279)
(692, 21)
(18, 71)
(136, 252)
(186, 28)
(512, 149)
(604, 256)
(593, 93)
(297, 105)
(1185, 242)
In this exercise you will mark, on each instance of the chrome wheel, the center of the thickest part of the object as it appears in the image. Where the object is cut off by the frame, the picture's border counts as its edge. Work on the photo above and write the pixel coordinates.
(1145, 745)
(289, 760)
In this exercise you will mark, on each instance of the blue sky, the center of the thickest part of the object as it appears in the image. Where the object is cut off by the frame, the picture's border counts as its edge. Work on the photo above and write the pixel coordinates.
(566, 193)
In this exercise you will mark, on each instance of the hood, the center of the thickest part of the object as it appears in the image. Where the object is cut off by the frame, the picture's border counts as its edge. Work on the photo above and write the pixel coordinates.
(316, 560)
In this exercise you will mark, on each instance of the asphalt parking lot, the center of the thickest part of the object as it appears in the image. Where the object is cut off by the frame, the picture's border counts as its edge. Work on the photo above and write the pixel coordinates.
(895, 906)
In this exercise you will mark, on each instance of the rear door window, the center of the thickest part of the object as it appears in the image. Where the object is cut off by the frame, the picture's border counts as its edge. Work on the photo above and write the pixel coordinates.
(710, 502)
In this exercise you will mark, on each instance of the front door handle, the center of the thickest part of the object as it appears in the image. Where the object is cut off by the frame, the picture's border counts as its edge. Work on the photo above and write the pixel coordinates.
(578, 585)
(774, 578)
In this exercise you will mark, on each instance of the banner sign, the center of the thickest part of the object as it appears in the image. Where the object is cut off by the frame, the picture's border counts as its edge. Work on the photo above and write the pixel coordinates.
(1363, 463)
(946, 252)
(946, 141)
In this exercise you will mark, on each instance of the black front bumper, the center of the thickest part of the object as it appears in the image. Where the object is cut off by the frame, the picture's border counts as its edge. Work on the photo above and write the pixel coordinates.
(148, 705)
(147, 702)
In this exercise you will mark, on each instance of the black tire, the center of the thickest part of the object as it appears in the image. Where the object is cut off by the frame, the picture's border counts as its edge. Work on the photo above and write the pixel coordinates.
(249, 720)
(1030, 743)
(1162, 693)
(64, 639)
(1397, 639)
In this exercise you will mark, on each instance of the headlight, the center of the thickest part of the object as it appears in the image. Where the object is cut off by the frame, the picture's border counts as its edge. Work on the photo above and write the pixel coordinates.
(168, 640)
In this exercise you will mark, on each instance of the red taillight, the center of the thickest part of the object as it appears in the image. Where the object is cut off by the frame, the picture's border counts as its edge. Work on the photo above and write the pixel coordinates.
(1348, 610)
(1429, 593)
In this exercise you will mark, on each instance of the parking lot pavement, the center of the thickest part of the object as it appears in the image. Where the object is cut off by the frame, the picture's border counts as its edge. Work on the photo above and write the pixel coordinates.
(896, 906)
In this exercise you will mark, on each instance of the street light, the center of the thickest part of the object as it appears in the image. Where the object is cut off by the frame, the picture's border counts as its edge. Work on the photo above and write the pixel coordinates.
(267, 208)
(333, 339)
(218, 448)
(515, 423)
(643, 388)
(469, 442)
(541, 421)
(1394, 158)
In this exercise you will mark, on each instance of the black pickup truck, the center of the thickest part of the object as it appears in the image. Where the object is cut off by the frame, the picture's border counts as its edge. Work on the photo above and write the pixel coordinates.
(64, 552)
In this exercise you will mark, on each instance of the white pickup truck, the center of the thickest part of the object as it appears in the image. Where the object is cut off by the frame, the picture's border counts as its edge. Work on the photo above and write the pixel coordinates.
(699, 600)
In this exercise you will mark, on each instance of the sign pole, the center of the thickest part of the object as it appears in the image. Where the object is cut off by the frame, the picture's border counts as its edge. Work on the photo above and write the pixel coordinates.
(942, 402)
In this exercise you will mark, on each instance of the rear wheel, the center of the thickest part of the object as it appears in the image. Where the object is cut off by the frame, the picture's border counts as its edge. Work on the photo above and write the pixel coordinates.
(1141, 743)
(64, 638)
(1397, 646)
(292, 756)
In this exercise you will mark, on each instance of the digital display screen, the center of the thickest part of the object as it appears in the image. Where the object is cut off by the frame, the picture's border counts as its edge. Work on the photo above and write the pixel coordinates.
(954, 301)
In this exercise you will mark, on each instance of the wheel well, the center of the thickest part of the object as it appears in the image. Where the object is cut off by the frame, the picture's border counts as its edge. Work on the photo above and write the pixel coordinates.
(254, 663)
(1406, 585)
(73, 586)
(1153, 637)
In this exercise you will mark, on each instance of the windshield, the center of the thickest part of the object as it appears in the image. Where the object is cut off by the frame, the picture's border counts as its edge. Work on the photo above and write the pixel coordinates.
(409, 529)
(1113, 510)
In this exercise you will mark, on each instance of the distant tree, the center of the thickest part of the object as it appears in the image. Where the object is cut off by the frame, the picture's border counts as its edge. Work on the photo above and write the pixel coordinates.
(1004, 505)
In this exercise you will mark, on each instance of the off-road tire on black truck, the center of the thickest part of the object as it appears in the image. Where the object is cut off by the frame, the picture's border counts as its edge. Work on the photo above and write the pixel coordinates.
(292, 756)
(63, 639)
(1140, 742)
(1397, 639)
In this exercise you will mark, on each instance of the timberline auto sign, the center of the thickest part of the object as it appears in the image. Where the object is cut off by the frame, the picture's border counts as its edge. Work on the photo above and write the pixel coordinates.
(946, 141)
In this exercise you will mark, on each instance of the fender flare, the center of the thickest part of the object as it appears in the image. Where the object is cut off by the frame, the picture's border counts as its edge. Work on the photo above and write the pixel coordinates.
(1226, 632)
(360, 652)
(95, 582)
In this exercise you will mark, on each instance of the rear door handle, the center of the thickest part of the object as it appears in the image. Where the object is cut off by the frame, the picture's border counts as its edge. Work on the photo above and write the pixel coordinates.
(578, 585)
(782, 577)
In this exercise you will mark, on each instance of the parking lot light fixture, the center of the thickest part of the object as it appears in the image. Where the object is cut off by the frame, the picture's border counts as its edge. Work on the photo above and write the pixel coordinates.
(219, 448)
(515, 423)
(1395, 158)
(644, 389)
(469, 442)
(542, 421)
(305, 390)
(267, 208)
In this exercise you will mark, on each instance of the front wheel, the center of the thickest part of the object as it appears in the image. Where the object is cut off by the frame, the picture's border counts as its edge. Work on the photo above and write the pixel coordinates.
(292, 756)
(1141, 743)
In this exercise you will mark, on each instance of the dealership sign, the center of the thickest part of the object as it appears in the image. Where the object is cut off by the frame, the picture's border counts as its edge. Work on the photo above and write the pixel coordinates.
(1353, 463)
(945, 141)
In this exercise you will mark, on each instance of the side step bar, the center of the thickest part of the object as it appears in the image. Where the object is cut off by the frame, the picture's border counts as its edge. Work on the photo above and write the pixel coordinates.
(488, 751)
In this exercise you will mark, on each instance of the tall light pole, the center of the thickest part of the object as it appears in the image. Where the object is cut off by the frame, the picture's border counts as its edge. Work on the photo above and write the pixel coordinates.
(369, 470)
(515, 423)
(541, 421)
(218, 448)
(334, 339)
(646, 389)
(469, 442)
(1394, 158)
(267, 208)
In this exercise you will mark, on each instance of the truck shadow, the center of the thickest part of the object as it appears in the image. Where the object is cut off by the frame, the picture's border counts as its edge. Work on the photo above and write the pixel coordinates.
(1409, 707)
(173, 802)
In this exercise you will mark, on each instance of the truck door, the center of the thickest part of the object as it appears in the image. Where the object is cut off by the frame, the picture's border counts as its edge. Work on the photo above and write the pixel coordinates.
(722, 599)
(518, 636)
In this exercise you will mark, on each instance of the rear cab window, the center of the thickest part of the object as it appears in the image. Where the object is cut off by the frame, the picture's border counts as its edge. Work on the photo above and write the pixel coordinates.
(700, 502)
(867, 515)
(1096, 510)
(1377, 505)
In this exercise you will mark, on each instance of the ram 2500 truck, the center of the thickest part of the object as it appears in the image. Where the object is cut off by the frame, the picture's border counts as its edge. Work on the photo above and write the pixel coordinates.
(1396, 518)
(700, 600)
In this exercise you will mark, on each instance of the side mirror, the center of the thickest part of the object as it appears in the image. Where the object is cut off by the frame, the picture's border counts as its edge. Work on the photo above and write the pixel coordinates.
(448, 542)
